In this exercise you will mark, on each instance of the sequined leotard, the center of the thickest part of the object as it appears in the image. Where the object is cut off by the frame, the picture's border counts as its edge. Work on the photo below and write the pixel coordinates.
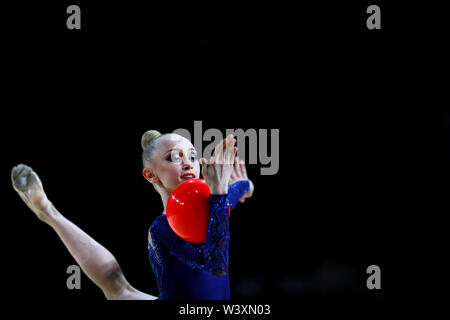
(195, 271)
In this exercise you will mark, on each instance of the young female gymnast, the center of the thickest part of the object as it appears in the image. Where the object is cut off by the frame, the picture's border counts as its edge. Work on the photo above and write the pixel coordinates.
(183, 270)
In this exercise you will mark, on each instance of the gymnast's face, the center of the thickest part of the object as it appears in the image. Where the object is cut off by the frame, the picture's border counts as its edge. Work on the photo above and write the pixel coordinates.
(174, 161)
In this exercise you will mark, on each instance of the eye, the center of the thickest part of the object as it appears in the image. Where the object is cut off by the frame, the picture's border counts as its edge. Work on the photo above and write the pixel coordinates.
(193, 157)
(174, 157)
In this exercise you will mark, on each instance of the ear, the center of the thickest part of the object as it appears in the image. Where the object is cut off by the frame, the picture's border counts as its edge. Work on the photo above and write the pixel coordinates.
(150, 176)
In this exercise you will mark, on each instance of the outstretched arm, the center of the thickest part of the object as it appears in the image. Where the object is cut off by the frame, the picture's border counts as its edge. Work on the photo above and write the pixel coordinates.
(94, 259)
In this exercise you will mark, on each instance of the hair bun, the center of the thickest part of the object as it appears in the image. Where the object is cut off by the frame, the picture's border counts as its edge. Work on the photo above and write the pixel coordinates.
(148, 137)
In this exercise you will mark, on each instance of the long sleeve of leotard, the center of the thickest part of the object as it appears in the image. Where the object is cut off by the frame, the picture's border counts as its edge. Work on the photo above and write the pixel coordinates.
(210, 256)
(236, 191)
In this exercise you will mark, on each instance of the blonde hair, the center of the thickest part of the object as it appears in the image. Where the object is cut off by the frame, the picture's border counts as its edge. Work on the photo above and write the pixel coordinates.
(148, 144)
(148, 137)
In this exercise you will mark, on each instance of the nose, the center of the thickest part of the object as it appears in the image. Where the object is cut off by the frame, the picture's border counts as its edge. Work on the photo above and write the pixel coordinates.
(187, 164)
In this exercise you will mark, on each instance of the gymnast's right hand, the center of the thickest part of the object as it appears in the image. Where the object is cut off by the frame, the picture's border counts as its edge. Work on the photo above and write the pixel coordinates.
(29, 187)
(217, 171)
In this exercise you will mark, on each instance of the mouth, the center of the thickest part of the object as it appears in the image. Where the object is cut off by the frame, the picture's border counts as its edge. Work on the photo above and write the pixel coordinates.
(188, 176)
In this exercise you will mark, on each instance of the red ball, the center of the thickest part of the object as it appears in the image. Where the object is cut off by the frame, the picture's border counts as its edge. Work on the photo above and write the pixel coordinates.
(187, 210)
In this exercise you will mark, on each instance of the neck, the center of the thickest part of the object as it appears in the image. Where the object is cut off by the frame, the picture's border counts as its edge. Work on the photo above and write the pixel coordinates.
(164, 198)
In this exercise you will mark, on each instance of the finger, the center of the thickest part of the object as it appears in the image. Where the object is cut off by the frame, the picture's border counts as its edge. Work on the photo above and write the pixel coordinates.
(234, 173)
(230, 151)
(218, 151)
(236, 162)
(204, 172)
(204, 164)
(220, 146)
(236, 167)
(243, 169)
(226, 146)
(234, 153)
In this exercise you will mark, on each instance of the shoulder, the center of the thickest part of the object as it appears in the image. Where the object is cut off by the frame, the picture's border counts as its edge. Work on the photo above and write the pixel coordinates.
(157, 230)
(159, 225)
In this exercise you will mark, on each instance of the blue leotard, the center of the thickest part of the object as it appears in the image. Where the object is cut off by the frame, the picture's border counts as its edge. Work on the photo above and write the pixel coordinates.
(195, 271)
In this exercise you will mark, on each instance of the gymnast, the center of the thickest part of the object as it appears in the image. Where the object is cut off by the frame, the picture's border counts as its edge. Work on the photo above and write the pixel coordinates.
(183, 270)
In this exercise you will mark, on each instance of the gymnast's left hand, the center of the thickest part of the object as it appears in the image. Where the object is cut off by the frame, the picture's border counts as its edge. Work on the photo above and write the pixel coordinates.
(240, 173)
(217, 171)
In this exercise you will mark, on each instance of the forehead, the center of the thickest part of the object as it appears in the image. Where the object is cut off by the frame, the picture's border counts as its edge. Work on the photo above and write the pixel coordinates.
(174, 141)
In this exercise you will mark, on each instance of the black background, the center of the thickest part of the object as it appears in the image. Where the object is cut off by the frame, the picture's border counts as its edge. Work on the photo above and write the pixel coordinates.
(358, 170)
